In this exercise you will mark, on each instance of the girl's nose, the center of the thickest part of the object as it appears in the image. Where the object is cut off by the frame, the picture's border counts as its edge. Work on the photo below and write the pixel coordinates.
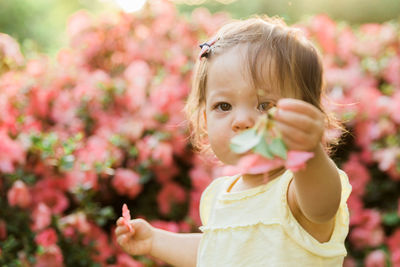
(243, 122)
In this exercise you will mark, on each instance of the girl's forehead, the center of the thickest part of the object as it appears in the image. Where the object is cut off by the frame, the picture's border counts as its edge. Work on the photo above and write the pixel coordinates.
(229, 72)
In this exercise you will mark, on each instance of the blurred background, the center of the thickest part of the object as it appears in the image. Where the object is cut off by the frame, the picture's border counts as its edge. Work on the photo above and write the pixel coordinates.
(41, 24)
(91, 99)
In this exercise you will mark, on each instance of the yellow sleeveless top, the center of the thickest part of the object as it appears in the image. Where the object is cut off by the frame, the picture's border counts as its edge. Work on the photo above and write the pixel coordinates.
(255, 227)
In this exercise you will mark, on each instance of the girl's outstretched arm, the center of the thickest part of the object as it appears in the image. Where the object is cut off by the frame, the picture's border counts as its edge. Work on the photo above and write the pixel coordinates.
(179, 250)
(138, 237)
(317, 188)
(315, 191)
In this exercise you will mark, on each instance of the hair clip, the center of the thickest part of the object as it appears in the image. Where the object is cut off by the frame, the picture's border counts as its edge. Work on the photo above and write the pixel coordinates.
(205, 47)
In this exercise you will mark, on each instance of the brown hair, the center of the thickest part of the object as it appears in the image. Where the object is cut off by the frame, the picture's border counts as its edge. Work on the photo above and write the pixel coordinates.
(276, 53)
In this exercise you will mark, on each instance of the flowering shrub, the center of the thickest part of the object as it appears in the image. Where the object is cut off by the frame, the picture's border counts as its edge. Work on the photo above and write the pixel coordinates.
(103, 126)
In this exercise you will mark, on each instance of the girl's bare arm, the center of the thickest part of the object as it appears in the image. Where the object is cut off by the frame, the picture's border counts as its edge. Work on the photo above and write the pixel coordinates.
(317, 188)
(179, 250)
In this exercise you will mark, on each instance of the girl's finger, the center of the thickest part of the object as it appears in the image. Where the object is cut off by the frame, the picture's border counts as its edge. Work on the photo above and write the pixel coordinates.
(300, 106)
(120, 221)
(297, 121)
(121, 230)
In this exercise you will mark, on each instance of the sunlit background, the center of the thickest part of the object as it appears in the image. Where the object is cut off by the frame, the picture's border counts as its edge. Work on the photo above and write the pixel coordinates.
(40, 24)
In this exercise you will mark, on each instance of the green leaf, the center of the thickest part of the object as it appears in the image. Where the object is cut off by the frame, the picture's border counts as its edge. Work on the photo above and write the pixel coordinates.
(278, 148)
(245, 141)
(263, 149)
(391, 219)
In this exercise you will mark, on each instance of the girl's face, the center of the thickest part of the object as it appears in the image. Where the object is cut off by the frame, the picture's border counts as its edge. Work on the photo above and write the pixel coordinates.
(232, 104)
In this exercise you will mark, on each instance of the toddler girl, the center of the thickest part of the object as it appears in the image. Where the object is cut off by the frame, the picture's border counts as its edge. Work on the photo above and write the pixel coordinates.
(293, 219)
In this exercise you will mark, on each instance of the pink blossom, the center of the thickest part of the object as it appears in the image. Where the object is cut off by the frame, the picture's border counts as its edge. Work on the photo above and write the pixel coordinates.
(369, 232)
(10, 152)
(163, 153)
(52, 256)
(168, 226)
(76, 220)
(376, 258)
(256, 164)
(85, 179)
(357, 173)
(170, 193)
(10, 49)
(165, 173)
(296, 160)
(394, 247)
(3, 230)
(19, 195)
(125, 260)
(53, 198)
(127, 182)
(200, 178)
(46, 238)
(349, 262)
(41, 217)
(325, 32)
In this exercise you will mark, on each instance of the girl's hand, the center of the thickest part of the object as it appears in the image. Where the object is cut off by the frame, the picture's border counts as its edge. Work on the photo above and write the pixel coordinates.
(300, 123)
(139, 240)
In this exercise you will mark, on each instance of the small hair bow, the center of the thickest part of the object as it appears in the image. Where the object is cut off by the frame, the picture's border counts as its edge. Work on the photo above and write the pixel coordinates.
(205, 47)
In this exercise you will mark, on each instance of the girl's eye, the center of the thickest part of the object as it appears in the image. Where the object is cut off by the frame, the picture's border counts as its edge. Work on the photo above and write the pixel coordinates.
(223, 106)
(265, 106)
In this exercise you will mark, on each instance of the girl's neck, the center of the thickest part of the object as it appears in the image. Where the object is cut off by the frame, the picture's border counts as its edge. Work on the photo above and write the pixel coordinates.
(259, 179)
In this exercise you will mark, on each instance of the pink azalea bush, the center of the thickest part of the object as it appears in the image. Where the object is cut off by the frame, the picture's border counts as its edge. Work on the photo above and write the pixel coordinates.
(103, 126)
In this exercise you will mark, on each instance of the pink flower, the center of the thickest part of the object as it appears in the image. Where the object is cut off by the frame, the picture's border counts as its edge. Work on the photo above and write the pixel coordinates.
(296, 160)
(325, 32)
(200, 178)
(256, 164)
(163, 153)
(376, 258)
(369, 232)
(10, 152)
(168, 226)
(127, 182)
(349, 262)
(76, 220)
(53, 198)
(394, 247)
(52, 256)
(41, 217)
(358, 174)
(3, 230)
(46, 238)
(125, 260)
(170, 193)
(19, 195)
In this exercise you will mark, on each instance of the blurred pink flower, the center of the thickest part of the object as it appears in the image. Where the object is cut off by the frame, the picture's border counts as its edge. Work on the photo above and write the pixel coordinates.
(393, 242)
(51, 257)
(78, 221)
(349, 262)
(358, 174)
(165, 225)
(200, 178)
(125, 260)
(19, 195)
(165, 173)
(47, 237)
(84, 179)
(9, 48)
(41, 217)
(369, 232)
(376, 258)
(3, 230)
(170, 193)
(11, 151)
(52, 197)
(324, 29)
(127, 182)
(163, 153)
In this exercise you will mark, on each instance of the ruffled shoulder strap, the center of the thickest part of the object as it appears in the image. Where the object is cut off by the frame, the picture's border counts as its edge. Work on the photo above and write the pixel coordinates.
(335, 246)
(208, 198)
